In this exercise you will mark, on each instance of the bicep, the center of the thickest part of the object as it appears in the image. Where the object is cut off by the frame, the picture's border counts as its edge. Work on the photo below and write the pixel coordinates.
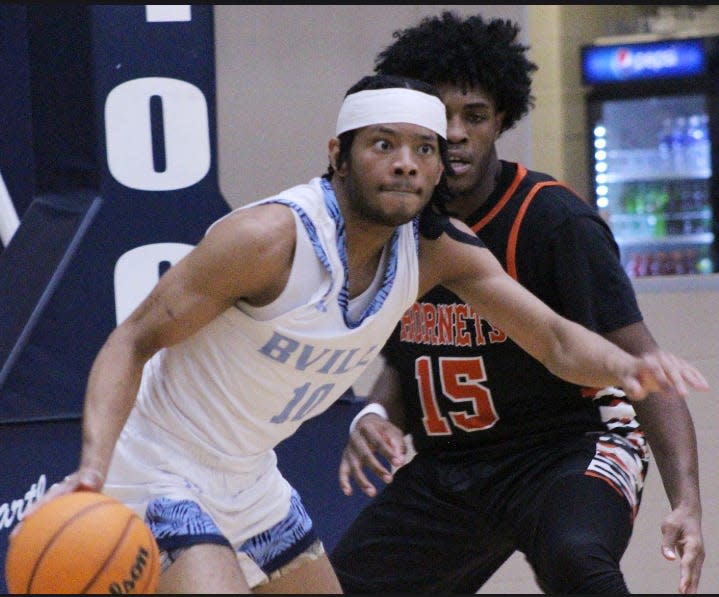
(635, 338)
(475, 275)
(507, 305)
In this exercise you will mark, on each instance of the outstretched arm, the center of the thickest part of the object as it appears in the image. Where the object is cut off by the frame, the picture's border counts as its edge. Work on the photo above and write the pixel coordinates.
(567, 349)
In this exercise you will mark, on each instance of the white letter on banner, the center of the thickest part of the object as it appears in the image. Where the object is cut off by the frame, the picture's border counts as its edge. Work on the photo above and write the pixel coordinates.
(164, 13)
(129, 136)
(137, 272)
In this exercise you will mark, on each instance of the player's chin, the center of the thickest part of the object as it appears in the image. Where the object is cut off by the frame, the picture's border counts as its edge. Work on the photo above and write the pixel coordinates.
(399, 217)
(402, 210)
(461, 184)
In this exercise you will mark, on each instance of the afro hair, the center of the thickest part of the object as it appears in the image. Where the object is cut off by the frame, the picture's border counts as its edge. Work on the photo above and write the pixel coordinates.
(467, 52)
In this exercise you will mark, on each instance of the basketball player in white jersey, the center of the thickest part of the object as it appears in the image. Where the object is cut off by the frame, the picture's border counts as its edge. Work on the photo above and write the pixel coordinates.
(274, 314)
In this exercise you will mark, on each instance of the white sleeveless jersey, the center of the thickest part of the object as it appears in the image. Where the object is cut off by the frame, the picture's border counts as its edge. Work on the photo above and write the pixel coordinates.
(248, 380)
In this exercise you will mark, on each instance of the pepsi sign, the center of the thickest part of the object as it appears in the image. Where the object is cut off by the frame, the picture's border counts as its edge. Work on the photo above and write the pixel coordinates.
(652, 60)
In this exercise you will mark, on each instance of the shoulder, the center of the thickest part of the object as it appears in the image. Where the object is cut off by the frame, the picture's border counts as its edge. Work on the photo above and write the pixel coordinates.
(302, 197)
(551, 195)
(274, 215)
(551, 204)
(254, 231)
(432, 225)
(452, 253)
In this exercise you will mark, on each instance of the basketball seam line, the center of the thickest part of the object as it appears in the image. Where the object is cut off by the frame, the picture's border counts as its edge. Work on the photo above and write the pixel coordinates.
(113, 552)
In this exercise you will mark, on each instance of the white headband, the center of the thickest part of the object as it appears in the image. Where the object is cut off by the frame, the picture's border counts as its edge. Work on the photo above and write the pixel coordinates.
(398, 104)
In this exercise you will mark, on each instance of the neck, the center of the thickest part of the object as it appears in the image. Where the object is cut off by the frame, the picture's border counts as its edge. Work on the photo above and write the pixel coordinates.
(364, 242)
(364, 251)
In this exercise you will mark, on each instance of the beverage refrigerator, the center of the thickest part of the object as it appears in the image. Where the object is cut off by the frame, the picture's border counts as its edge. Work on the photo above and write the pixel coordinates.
(653, 123)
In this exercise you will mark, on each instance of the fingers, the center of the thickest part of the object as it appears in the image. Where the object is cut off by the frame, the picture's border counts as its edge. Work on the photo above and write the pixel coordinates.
(344, 477)
(372, 437)
(682, 374)
(67, 485)
(90, 478)
(690, 567)
(682, 538)
(351, 466)
(84, 479)
(673, 370)
(664, 373)
(695, 379)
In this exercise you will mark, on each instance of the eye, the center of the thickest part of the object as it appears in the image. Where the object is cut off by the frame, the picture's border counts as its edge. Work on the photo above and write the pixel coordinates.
(477, 117)
(426, 149)
(382, 144)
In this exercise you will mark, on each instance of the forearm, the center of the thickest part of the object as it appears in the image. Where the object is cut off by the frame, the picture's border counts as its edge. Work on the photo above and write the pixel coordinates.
(386, 391)
(585, 358)
(670, 431)
(567, 349)
(111, 390)
(668, 425)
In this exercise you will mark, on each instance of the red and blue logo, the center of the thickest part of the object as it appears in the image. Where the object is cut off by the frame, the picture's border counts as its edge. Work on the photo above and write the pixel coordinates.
(610, 64)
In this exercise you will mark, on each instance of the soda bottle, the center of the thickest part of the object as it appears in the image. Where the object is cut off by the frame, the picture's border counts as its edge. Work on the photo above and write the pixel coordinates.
(664, 145)
(679, 143)
(704, 264)
(678, 262)
(650, 265)
(697, 143)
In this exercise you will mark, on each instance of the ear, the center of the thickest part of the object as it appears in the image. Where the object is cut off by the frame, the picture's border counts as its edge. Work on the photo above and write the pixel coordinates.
(333, 152)
(439, 174)
(498, 124)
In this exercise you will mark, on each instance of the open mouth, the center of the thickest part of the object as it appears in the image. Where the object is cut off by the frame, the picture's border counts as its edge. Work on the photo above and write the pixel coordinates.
(459, 165)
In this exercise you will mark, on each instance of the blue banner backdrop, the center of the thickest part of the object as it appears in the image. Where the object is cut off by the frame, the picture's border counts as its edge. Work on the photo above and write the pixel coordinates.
(110, 156)
(109, 152)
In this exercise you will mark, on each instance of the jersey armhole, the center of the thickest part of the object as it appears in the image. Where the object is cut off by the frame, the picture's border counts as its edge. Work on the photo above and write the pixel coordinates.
(517, 224)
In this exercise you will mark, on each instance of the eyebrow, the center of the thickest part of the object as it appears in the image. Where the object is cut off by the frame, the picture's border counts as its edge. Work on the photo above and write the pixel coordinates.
(390, 131)
(476, 105)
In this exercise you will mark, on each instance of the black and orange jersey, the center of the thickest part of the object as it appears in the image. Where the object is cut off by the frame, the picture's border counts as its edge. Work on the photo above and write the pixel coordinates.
(465, 382)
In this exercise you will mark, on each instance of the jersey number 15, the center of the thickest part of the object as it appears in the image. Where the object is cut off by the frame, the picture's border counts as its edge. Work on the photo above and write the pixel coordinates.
(460, 379)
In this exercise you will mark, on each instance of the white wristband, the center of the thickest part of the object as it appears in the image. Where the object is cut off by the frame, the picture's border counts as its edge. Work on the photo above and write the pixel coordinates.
(374, 408)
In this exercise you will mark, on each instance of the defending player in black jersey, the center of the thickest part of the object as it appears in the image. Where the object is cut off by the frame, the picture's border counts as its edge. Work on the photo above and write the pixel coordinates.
(509, 456)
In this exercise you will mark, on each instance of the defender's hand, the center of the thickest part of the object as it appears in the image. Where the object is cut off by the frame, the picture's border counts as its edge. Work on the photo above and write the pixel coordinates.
(682, 536)
(372, 434)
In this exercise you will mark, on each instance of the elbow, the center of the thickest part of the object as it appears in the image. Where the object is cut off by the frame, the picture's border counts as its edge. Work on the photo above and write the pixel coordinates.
(137, 347)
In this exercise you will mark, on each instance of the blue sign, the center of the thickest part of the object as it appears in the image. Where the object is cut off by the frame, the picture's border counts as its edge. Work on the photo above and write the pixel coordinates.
(119, 130)
(642, 61)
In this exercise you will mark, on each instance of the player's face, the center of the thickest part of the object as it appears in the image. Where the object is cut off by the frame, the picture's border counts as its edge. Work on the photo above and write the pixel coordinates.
(391, 172)
(473, 126)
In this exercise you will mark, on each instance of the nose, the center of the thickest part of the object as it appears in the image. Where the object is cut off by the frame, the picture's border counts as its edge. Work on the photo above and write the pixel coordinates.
(456, 132)
(404, 163)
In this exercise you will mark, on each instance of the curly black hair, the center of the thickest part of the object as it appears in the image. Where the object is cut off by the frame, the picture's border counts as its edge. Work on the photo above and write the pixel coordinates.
(466, 52)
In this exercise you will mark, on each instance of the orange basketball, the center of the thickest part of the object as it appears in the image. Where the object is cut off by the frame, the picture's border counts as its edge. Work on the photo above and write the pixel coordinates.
(82, 542)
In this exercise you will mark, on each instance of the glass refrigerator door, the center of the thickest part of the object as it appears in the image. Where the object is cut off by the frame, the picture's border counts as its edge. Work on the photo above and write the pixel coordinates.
(652, 171)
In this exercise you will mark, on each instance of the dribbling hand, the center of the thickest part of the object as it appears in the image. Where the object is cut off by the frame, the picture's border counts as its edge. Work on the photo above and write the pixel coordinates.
(83, 479)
